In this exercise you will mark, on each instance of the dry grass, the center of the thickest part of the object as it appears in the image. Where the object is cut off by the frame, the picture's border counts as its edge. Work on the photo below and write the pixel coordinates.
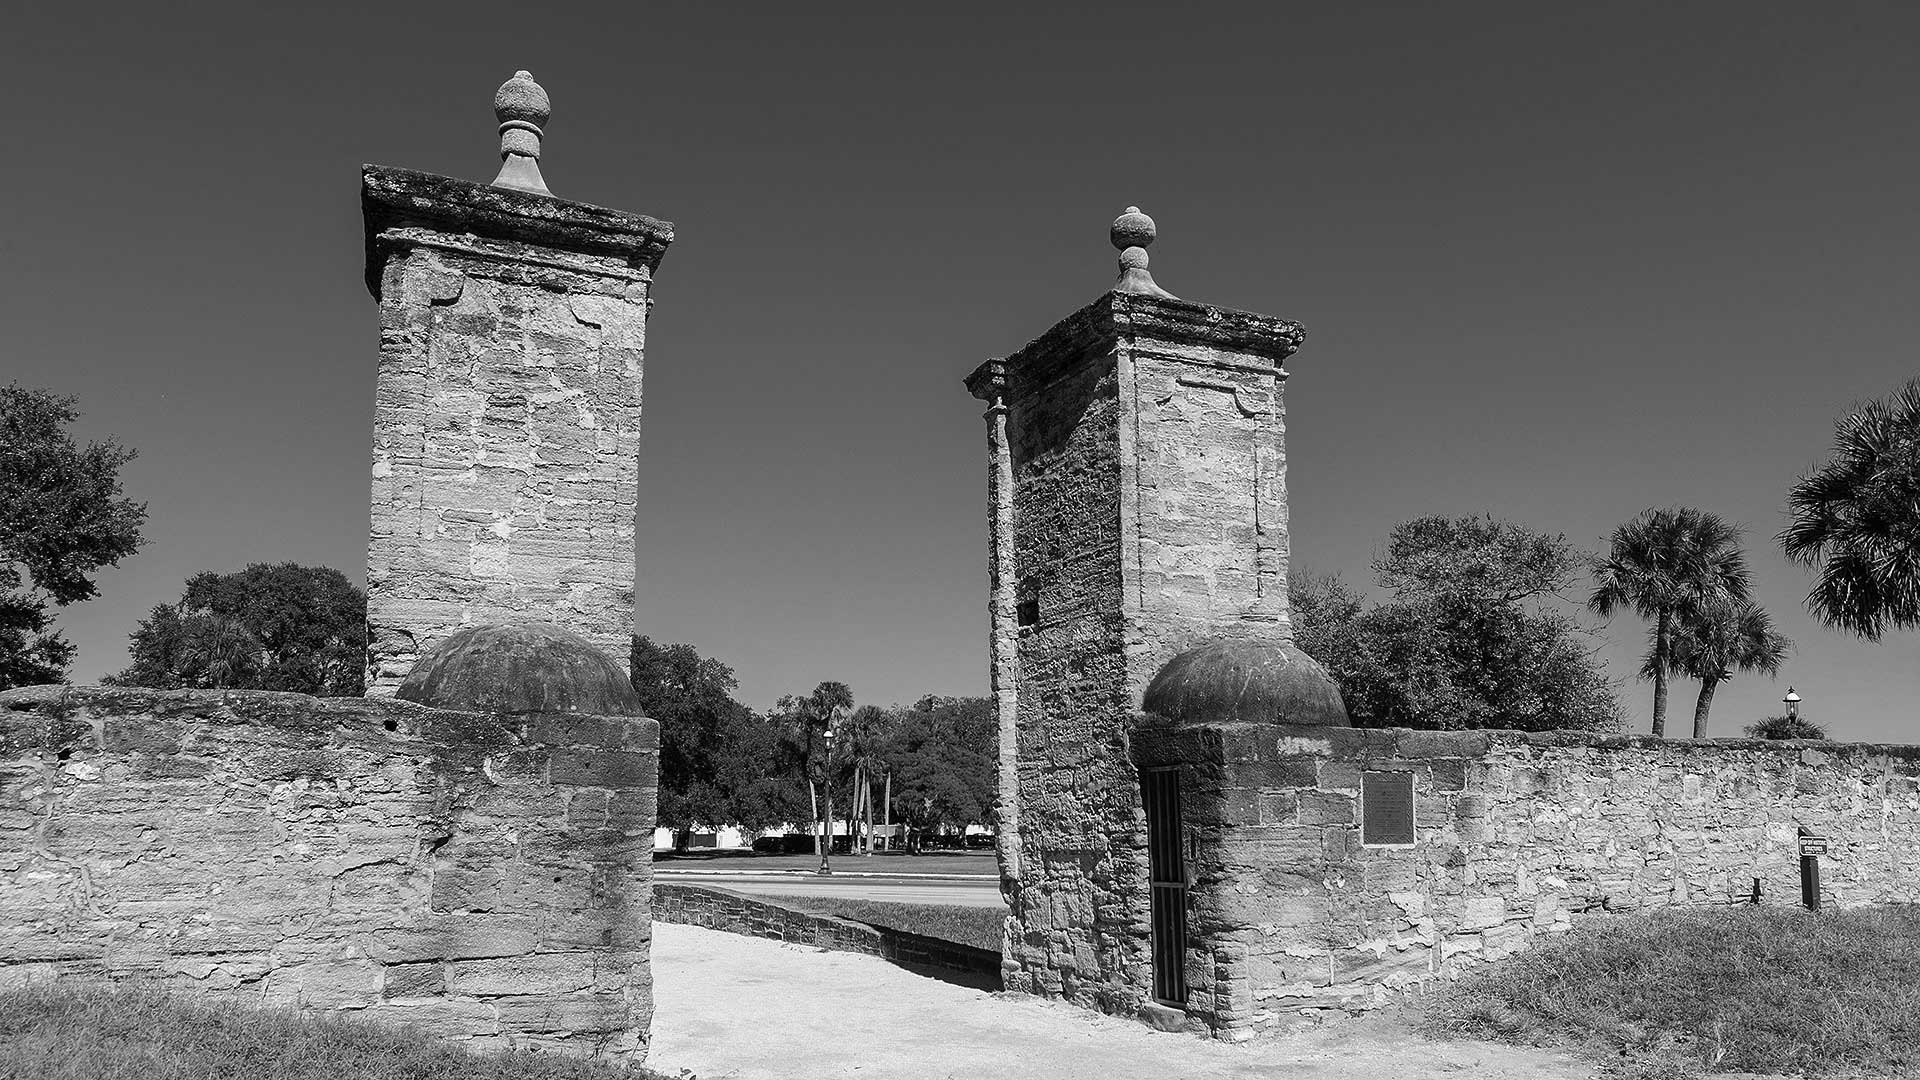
(1675, 993)
(92, 1032)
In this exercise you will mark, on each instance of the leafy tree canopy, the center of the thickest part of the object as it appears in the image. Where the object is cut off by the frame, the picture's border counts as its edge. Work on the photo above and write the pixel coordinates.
(720, 763)
(62, 518)
(943, 757)
(269, 627)
(1471, 638)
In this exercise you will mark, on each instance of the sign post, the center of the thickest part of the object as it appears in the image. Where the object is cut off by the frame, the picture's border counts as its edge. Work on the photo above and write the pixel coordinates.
(1811, 848)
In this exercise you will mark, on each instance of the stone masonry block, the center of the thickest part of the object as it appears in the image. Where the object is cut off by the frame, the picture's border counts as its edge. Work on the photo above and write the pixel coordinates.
(414, 980)
(544, 973)
(604, 768)
(1339, 776)
(1325, 808)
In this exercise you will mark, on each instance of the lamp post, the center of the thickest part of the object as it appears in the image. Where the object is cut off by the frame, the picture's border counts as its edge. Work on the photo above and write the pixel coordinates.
(1792, 701)
(826, 791)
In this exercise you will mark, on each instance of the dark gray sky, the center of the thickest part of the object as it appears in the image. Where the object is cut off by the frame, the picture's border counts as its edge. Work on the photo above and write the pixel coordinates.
(1556, 262)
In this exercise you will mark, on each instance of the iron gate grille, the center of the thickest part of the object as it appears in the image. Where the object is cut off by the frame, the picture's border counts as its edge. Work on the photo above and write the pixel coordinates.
(1167, 870)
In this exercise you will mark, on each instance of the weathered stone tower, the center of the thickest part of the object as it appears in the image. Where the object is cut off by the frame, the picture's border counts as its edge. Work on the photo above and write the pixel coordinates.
(1138, 491)
(507, 412)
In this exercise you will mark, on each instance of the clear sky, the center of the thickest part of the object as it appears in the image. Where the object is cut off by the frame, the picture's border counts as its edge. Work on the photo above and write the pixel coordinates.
(1556, 262)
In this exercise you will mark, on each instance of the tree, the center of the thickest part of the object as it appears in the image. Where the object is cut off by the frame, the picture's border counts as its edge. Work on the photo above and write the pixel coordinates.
(943, 757)
(269, 627)
(869, 732)
(1857, 517)
(807, 729)
(1786, 727)
(1712, 644)
(1665, 566)
(1471, 638)
(62, 518)
(720, 764)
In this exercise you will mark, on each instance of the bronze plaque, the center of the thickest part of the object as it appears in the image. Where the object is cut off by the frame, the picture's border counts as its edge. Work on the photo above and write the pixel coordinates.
(1386, 808)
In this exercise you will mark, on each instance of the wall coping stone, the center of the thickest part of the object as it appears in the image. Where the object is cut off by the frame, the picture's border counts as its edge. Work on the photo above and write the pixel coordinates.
(39, 717)
(1306, 740)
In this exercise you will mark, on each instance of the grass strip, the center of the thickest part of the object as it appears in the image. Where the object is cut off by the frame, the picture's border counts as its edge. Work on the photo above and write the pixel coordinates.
(979, 927)
(1670, 993)
(98, 1032)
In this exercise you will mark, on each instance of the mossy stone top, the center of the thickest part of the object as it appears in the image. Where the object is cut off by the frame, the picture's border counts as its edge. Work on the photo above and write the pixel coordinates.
(1237, 681)
(521, 668)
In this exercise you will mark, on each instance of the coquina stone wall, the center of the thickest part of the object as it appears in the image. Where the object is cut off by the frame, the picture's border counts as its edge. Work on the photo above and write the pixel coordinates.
(507, 412)
(484, 877)
(1516, 835)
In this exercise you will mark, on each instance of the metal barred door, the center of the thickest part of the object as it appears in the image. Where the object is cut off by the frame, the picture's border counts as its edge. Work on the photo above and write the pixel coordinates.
(1167, 870)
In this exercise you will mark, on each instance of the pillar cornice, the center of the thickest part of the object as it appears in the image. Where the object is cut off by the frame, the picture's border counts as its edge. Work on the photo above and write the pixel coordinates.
(398, 201)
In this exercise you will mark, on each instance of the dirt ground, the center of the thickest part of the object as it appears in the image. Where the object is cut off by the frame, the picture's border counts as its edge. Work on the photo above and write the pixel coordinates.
(731, 1007)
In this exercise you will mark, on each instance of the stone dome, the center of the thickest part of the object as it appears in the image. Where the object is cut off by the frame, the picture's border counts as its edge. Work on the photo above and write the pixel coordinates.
(521, 668)
(1228, 681)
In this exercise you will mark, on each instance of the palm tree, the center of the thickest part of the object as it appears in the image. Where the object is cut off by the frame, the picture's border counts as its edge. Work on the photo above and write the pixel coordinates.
(1786, 727)
(221, 650)
(1711, 645)
(1858, 517)
(867, 732)
(828, 703)
(1665, 565)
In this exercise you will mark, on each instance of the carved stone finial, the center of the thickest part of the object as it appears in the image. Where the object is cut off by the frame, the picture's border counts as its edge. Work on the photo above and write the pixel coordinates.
(1131, 233)
(522, 107)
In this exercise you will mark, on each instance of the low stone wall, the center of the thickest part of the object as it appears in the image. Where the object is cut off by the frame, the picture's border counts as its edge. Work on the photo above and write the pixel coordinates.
(1514, 835)
(483, 877)
(721, 909)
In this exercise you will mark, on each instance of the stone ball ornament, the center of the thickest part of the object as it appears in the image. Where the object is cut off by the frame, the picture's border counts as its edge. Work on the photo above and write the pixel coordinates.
(1131, 233)
(521, 100)
(520, 668)
(1234, 681)
(523, 108)
(1131, 229)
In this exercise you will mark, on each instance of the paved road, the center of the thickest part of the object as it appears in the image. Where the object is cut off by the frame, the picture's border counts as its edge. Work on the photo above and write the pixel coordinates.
(916, 889)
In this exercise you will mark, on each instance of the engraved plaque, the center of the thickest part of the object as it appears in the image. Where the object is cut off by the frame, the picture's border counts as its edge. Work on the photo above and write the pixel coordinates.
(1386, 808)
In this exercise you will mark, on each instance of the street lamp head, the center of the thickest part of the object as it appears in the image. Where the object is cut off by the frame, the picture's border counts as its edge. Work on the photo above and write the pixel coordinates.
(1791, 698)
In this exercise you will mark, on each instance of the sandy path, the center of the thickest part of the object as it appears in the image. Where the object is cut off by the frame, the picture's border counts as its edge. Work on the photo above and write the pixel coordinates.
(735, 1007)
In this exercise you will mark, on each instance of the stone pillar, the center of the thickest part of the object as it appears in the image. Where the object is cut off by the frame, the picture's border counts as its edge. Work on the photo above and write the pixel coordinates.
(1146, 461)
(988, 383)
(507, 405)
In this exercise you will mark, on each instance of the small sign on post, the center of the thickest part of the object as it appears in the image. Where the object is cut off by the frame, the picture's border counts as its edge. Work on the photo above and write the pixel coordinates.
(1811, 848)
